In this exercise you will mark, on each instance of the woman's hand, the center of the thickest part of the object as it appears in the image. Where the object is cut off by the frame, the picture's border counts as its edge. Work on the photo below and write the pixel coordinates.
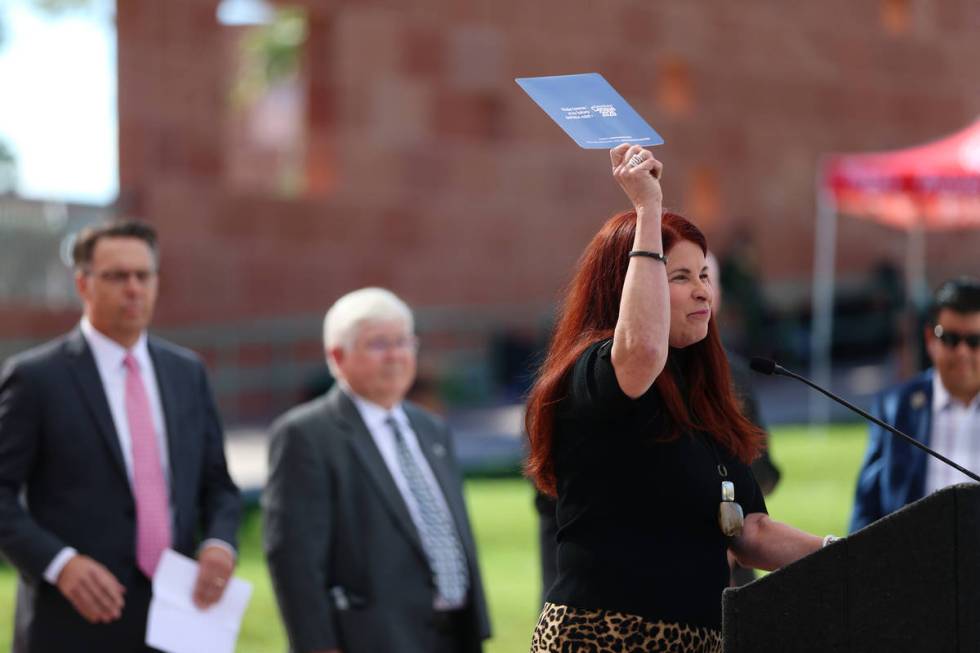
(638, 173)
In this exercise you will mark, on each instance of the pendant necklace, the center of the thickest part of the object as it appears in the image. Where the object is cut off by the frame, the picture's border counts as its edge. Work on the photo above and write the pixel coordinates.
(730, 515)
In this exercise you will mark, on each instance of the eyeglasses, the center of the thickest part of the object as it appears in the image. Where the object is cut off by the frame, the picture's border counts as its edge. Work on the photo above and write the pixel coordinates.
(952, 339)
(384, 345)
(121, 277)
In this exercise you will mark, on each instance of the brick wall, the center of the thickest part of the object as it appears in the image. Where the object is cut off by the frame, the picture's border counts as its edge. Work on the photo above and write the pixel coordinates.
(427, 169)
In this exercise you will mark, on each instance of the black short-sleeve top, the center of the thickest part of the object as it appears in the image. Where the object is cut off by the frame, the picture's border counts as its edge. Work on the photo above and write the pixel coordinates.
(637, 517)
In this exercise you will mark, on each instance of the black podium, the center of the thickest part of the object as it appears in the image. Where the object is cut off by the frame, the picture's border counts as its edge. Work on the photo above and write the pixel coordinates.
(908, 582)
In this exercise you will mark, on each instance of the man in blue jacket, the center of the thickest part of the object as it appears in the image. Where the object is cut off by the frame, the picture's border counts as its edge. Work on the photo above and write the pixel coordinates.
(940, 408)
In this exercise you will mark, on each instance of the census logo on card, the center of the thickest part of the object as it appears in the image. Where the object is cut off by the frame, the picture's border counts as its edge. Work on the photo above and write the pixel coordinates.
(584, 113)
(605, 110)
(590, 110)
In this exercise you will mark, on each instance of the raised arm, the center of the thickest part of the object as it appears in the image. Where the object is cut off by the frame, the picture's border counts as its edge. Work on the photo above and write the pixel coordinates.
(639, 350)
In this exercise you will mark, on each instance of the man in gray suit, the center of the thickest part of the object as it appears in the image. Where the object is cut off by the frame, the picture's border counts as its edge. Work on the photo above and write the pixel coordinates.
(366, 532)
(112, 439)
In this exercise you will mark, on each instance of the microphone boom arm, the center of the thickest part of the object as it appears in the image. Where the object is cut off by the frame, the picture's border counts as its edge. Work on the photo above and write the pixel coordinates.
(779, 369)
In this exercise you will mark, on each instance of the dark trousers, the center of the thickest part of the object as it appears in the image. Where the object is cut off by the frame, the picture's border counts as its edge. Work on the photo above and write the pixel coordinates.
(454, 632)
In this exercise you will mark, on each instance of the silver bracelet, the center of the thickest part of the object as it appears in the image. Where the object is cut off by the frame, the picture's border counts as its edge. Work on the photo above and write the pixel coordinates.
(830, 539)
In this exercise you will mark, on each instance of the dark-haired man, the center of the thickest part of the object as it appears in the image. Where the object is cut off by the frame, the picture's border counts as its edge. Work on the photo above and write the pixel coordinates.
(113, 441)
(940, 408)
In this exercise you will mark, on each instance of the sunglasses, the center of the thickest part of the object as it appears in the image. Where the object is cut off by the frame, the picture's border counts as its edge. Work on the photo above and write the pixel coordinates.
(952, 339)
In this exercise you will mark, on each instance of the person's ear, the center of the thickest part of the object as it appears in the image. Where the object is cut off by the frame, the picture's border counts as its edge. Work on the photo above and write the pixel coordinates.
(336, 355)
(82, 281)
(930, 341)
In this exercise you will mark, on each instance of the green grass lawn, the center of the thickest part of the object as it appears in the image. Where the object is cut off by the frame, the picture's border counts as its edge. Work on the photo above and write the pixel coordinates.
(815, 494)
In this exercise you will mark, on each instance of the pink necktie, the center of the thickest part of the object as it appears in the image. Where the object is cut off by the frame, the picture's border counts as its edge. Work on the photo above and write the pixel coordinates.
(149, 486)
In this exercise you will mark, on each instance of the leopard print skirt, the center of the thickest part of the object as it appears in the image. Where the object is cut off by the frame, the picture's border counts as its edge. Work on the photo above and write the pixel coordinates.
(564, 629)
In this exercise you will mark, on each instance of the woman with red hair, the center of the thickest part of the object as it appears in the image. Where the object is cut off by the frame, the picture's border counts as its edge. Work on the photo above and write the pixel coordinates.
(634, 425)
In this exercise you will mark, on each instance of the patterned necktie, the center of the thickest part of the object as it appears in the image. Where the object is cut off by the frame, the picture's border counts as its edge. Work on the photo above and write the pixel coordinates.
(149, 486)
(438, 533)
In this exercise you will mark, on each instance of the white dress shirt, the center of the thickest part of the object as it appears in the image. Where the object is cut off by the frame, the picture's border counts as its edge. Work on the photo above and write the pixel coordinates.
(955, 434)
(374, 417)
(109, 356)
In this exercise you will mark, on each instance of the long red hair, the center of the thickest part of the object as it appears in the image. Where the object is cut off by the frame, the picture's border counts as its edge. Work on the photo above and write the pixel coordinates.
(588, 314)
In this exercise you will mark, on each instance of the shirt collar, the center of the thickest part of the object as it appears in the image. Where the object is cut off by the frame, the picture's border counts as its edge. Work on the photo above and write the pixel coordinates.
(940, 395)
(941, 399)
(374, 415)
(109, 351)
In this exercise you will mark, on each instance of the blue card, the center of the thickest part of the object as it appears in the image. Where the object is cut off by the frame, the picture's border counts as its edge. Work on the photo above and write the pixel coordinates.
(589, 110)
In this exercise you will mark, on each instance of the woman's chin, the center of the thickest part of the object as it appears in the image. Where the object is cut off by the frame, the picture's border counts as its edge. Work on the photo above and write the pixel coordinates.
(688, 339)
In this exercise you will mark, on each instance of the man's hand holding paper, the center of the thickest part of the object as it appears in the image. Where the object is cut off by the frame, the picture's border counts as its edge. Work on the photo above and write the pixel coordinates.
(215, 565)
(177, 623)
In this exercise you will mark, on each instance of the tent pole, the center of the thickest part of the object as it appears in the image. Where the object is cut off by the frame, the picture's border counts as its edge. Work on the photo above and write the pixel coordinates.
(822, 310)
(915, 294)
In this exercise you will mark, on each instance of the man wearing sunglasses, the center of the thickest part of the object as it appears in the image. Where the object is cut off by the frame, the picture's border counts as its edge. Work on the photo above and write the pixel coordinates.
(940, 408)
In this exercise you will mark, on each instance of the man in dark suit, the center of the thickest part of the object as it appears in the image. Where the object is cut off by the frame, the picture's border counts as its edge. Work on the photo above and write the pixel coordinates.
(940, 408)
(111, 451)
(366, 532)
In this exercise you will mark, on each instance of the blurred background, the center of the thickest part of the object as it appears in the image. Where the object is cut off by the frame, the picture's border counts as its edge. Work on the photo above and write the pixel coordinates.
(291, 151)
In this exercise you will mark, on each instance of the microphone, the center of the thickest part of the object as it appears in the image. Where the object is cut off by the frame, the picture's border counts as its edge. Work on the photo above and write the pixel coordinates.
(765, 366)
(770, 368)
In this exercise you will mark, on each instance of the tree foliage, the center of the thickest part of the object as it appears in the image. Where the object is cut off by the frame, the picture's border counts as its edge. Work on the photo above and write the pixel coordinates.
(270, 54)
(8, 168)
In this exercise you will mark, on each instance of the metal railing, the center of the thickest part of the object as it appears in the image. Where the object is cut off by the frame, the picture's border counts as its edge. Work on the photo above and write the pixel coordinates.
(259, 368)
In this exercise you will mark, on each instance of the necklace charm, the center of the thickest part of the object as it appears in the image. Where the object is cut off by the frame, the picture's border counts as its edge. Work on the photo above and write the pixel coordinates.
(730, 516)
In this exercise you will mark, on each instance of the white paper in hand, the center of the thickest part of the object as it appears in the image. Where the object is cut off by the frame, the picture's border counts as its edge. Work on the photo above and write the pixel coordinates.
(176, 625)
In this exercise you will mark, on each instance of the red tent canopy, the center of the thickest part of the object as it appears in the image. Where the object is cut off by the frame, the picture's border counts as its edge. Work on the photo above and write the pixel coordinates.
(936, 184)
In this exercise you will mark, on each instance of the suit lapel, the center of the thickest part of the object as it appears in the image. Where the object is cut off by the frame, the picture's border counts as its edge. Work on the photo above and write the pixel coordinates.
(919, 427)
(86, 376)
(166, 385)
(923, 429)
(360, 440)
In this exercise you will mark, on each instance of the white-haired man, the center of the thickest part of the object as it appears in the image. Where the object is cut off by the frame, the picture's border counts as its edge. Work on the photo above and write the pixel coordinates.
(366, 532)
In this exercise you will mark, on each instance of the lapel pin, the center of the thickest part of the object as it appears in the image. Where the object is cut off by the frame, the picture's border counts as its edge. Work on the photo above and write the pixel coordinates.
(438, 449)
(918, 400)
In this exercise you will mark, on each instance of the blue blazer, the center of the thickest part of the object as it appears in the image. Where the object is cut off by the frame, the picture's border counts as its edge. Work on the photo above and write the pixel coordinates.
(894, 472)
